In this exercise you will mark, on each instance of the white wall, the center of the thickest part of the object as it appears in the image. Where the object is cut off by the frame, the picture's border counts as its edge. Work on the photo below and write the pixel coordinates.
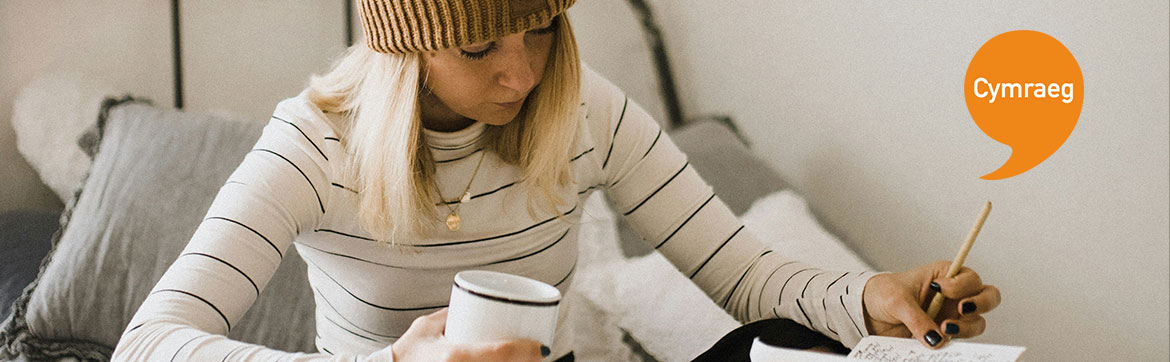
(610, 41)
(860, 105)
(243, 57)
(239, 58)
(121, 43)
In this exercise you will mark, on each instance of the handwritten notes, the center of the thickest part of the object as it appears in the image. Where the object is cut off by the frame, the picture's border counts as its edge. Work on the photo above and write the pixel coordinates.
(888, 349)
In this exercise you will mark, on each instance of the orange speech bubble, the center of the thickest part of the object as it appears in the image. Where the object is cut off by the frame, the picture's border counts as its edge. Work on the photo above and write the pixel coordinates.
(1024, 89)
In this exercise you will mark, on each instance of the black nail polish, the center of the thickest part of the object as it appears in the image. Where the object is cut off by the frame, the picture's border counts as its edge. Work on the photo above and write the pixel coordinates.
(544, 351)
(932, 338)
(935, 287)
(968, 307)
(952, 329)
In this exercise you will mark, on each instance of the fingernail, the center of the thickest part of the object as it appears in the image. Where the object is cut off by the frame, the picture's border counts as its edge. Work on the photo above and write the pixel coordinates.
(544, 351)
(952, 329)
(968, 307)
(935, 287)
(932, 338)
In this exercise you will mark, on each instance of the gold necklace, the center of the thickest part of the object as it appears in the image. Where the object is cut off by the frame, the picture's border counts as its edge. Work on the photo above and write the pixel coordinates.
(453, 220)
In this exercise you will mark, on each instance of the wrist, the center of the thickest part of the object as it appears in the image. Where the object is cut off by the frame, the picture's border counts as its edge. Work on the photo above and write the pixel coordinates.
(866, 297)
(857, 301)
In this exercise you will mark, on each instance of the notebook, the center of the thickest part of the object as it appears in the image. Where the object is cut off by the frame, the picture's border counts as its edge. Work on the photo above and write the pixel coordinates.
(890, 349)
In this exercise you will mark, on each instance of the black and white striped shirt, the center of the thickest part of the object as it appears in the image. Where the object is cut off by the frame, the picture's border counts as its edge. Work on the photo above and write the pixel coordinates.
(290, 190)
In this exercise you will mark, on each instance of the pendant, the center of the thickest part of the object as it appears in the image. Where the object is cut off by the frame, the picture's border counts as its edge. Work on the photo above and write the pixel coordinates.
(452, 221)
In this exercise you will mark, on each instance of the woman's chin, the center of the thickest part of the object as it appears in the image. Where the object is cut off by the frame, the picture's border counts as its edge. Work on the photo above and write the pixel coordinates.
(498, 119)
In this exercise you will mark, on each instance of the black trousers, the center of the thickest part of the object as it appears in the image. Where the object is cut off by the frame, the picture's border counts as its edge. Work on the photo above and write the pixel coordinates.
(737, 345)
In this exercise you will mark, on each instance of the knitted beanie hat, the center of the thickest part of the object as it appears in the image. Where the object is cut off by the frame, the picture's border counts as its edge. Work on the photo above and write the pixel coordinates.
(405, 26)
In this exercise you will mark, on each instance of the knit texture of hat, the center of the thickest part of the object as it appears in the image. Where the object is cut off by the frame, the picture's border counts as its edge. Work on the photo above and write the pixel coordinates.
(406, 26)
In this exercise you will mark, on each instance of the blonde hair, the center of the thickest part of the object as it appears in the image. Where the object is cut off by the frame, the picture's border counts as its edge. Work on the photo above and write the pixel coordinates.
(386, 150)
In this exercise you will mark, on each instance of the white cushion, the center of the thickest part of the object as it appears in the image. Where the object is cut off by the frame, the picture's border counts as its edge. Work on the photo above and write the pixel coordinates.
(49, 115)
(663, 310)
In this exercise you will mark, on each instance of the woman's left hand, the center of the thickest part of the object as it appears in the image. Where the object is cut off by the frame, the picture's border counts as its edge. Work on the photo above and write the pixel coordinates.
(895, 304)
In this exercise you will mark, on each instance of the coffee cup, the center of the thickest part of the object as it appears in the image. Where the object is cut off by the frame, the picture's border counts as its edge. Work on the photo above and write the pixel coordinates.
(489, 306)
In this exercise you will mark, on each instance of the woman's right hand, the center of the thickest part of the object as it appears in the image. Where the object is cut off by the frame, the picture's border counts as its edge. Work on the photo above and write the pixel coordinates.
(424, 341)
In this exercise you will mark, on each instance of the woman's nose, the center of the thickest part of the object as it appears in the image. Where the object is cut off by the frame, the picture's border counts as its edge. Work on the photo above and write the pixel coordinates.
(516, 71)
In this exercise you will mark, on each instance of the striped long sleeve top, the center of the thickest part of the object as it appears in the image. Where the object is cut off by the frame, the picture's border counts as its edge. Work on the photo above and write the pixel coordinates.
(291, 191)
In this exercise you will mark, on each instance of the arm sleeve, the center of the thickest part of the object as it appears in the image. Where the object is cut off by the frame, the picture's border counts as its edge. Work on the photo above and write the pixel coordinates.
(651, 183)
(277, 191)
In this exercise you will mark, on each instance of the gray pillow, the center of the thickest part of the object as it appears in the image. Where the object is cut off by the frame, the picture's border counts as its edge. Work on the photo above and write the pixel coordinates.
(717, 154)
(153, 178)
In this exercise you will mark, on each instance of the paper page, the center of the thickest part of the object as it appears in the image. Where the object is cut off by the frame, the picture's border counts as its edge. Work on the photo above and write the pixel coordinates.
(889, 349)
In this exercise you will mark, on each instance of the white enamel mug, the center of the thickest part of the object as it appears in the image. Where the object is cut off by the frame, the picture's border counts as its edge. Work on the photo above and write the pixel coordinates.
(489, 306)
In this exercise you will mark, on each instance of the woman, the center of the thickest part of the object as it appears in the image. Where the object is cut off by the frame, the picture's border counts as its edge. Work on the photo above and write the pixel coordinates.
(465, 135)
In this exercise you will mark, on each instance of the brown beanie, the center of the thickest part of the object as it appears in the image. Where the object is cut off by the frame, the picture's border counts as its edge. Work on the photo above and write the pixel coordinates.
(405, 26)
